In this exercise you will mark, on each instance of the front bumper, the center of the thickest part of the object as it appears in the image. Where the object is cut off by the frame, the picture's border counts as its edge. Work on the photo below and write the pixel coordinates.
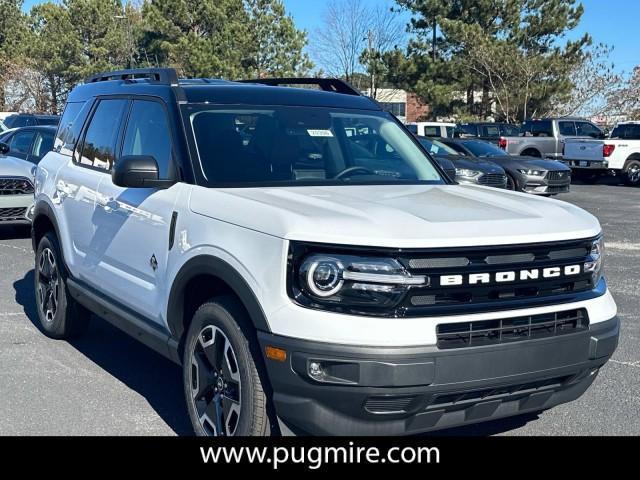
(396, 391)
(586, 164)
(16, 209)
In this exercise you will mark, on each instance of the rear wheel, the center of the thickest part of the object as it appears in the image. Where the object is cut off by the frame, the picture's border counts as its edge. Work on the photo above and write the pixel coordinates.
(222, 385)
(531, 152)
(631, 173)
(59, 314)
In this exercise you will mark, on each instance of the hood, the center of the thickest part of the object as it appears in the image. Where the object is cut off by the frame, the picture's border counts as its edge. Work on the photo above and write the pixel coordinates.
(475, 163)
(14, 167)
(520, 162)
(397, 216)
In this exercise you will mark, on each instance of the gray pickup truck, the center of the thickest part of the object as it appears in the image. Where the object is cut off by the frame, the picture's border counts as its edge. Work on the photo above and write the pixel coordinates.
(545, 138)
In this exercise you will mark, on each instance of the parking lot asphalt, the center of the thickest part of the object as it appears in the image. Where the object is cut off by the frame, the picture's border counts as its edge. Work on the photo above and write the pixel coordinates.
(108, 384)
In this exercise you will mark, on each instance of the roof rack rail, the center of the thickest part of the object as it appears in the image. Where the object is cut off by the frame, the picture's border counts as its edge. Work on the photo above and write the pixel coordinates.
(327, 84)
(165, 76)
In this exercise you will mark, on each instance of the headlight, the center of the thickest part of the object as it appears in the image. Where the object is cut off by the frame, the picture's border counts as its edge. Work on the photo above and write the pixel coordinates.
(534, 173)
(595, 262)
(350, 282)
(467, 173)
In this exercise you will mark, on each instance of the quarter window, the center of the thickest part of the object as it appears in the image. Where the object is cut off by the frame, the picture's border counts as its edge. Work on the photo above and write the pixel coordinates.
(100, 141)
(148, 134)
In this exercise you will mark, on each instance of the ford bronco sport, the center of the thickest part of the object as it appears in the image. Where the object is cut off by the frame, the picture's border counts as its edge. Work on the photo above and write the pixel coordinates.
(310, 267)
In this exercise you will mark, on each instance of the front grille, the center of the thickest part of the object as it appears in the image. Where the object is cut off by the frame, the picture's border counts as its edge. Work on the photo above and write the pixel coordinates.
(558, 176)
(460, 399)
(12, 214)
(507, 330)
(15, 186)
(493, 180)
(558, 188)
(440, 297)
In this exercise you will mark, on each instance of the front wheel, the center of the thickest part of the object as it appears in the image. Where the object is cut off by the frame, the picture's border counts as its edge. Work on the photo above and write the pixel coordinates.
(222, 385)
(511, 183)
(631, 174)
(59, 314)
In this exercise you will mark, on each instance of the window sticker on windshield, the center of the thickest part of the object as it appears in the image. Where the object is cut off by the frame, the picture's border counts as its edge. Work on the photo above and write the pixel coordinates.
(320, 133)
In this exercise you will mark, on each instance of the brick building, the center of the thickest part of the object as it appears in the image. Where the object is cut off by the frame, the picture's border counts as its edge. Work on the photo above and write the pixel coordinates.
(404, 105)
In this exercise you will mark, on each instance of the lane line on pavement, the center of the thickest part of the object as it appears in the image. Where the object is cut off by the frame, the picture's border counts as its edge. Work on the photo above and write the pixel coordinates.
(17, 314)
(22, 249)
(622, 245)
(628, 364)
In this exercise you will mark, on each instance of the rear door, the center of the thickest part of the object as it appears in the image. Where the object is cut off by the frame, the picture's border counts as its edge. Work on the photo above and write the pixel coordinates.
(134, 223)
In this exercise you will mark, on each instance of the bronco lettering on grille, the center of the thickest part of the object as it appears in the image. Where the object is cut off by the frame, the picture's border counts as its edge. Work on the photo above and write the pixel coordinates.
(510, 276)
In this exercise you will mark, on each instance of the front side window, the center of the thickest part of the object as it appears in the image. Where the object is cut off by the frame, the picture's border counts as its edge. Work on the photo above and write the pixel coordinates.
(148, 133)
(297, 145)
(586, 129)
(99, 146)
(21, 142)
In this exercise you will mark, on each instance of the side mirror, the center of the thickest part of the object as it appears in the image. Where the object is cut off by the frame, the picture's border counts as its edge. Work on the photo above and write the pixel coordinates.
(138, 171)
(4, 148)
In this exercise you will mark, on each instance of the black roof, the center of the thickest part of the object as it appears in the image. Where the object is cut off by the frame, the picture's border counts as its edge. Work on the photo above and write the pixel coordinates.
(165, 84)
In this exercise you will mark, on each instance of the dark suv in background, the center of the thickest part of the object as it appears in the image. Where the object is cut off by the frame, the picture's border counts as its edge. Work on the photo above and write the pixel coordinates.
(489, 131)
(30, 119)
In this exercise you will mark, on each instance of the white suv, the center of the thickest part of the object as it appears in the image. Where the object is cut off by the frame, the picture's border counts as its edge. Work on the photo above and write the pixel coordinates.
(311, 268)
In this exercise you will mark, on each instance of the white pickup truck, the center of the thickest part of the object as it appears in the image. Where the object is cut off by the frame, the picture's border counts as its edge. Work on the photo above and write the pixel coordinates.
(619, 154)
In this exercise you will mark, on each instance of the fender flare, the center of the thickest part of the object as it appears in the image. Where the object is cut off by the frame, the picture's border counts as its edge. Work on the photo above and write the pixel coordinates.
(43, 209)
(209, 265)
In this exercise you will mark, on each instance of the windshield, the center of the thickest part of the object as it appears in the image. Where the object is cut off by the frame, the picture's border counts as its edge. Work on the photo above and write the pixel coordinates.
(437, 148)
(289, 146)
(484, 149)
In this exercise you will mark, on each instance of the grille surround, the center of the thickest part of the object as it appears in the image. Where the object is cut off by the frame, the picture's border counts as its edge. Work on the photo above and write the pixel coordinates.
(15, 186)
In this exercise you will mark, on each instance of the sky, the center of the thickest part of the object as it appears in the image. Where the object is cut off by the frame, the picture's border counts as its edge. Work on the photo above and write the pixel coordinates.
(608, 21)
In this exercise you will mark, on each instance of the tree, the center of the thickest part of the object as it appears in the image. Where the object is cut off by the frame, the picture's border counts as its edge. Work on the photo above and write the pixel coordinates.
(12, 29)
(625, 100)
(512, 50)
(276, 42)
(342, 38)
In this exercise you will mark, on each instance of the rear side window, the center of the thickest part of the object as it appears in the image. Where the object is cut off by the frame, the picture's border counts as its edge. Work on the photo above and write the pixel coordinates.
(148, 134)
(538, 128)
(99, 146)
(490, 131)
(21, 142)
(629, 131)
(70, 127)
(568, 129)
(432, 132)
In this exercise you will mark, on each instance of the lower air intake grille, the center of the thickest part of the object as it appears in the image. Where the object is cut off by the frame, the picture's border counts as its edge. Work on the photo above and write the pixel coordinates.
(390, 404)
(10, 214)
(491, 332)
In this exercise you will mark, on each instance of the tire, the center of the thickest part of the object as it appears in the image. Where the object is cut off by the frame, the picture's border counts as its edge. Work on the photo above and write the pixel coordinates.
(60, 316)
(512, 184)
(530, 152)
(631, 173)
(219, 356)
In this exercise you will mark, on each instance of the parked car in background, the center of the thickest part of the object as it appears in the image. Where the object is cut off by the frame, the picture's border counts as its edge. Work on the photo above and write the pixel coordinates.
(30, 119)
(490, 131)
(545, 138)
(467, 169)
(432, 129)
(20, 150)
(524, 174)
(619, 154)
